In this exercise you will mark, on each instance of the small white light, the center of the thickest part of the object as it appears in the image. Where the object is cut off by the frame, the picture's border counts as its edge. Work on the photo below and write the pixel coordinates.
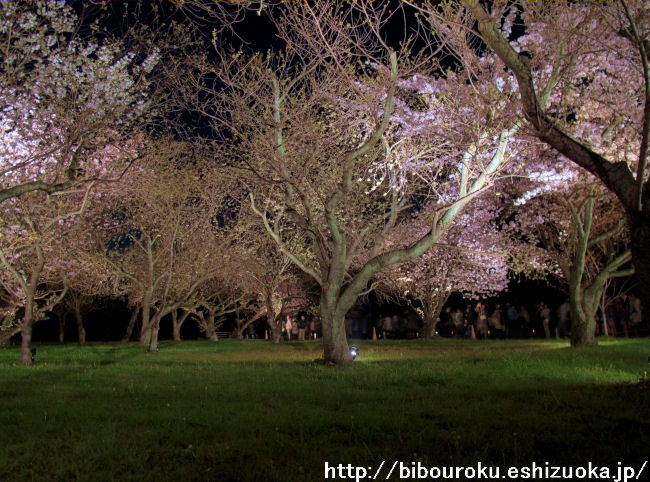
(354, 352)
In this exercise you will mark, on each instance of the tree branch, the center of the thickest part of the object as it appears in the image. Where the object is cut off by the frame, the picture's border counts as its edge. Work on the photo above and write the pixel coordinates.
(280, 244)
(616, 176)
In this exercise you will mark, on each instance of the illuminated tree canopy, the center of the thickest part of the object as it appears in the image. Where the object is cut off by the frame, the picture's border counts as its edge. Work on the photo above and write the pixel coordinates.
(195, 174)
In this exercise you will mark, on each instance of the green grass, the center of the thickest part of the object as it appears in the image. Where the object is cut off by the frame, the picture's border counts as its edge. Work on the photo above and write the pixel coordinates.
(247, 410)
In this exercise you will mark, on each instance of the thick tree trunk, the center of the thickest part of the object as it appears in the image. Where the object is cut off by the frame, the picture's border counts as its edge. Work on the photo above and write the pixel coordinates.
(177, 323)
(207, 326)
(210, 329)
(429, 327)
(145, 336)
(335, 343)
(81, 331)
(211, 333)
(640, 246)
(583, 318)
(28, 316)
(276, 328)
(132, 320)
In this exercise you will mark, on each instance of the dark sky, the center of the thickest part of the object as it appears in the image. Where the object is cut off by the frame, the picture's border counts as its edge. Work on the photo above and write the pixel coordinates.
(252, 29)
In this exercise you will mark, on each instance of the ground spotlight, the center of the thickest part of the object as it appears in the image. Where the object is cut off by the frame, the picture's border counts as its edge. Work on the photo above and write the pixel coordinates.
(354, 352)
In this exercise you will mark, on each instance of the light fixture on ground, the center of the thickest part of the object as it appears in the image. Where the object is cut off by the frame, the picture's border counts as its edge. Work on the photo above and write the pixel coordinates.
(354, 352)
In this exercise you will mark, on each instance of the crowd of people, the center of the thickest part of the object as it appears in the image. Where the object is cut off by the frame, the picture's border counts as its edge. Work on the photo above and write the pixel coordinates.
(299, 328)
(481, 320)
(622, 317)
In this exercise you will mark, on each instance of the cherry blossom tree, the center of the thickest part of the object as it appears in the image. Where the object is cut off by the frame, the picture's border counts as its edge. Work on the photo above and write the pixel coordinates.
(338, 134)
(179, 317)
(158, 230)
(471, 258)
(218, 297)
(33, 232)
(88, 280)
(573, 229)
(597, 113)
(268, 274)
(71, 106)
(72, 109)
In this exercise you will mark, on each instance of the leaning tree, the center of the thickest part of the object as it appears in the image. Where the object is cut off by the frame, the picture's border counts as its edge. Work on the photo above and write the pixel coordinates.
(596, 60)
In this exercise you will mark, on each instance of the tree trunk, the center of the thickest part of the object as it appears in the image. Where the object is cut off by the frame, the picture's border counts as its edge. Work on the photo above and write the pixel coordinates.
(145, 335)
(153, 333)
(239, 324)
(132, 320)
(177, 323)
(239, 328)
(145, 329)
(582, 300)
(274, 321)
(81, 331)
(26, 331)
(28, 316)
(640, 247)
(176, 327)
(275, 324)
(603, 309)
(429, 327)
(211, 334)
(335, 342)
(204, 326)
(432, 309)
(583, 318)
(62, 319)
(244, 327)
(210, 329)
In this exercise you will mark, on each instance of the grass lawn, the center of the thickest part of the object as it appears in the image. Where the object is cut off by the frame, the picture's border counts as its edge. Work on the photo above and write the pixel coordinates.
(247, 410)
